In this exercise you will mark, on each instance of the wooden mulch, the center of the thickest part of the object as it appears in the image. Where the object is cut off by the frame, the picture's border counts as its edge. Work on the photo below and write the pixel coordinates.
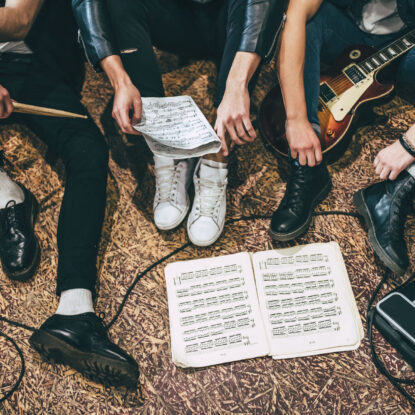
(342, 383)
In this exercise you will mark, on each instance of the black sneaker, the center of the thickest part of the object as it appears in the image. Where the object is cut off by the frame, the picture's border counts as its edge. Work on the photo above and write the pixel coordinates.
(384, 207)
(306, 188)
(81, 341)
(19, 248)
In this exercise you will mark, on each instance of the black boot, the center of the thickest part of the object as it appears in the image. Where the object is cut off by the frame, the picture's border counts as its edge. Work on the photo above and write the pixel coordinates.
(384, 207)
(19, 248)
(81, 341)
(306, 188)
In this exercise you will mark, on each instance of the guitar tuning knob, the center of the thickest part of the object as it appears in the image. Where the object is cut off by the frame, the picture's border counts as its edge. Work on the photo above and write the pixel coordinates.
(330, 133)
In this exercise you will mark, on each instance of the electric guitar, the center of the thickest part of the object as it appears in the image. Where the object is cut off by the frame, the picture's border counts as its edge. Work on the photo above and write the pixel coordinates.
(349, 83)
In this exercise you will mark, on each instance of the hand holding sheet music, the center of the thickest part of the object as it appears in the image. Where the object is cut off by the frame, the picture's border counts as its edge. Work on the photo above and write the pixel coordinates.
(175, 127)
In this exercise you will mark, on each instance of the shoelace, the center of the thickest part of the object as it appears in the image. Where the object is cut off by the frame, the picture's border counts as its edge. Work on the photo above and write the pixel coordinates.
(210, 192)
(294, 195)
(166, 179)
(10, 219)
(400, 211)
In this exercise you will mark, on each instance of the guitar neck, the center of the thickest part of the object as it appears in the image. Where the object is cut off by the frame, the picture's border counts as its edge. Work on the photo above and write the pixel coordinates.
(388, 54)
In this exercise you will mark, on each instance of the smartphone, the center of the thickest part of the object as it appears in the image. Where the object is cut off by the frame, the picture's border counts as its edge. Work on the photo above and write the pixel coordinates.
(399, 312)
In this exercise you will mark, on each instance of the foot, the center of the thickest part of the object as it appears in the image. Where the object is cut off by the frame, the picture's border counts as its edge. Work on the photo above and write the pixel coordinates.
(306, 188)
(81, 342)
(171, 201)
(207, 217)
(384, 206)
(19, 248)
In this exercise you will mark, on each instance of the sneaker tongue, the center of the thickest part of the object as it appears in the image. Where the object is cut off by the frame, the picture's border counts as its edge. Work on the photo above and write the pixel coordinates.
(212, 173)
(163, 161)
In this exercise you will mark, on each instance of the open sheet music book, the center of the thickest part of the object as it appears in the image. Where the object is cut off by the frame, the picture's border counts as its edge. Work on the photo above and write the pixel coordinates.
(284, 303)
(175, 127)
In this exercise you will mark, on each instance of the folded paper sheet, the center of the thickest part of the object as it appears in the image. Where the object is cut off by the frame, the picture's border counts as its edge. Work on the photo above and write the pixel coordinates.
(175, 127)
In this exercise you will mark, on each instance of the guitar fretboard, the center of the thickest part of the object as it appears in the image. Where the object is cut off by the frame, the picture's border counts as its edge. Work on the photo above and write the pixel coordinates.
(388, 53)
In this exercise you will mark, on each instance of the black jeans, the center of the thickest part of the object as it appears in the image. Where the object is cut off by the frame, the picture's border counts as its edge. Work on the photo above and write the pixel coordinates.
(189, 29)
(83, 149)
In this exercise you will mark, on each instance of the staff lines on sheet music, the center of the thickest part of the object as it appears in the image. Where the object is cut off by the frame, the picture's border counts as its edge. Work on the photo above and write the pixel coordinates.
(322, 326)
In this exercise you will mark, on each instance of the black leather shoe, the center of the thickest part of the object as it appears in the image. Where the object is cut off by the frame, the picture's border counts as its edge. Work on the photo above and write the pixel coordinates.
(384, 207)
(81, 341)
(19, 248)
(306, 188)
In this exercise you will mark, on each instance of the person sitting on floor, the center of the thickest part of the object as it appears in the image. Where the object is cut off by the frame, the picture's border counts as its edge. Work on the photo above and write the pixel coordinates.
(237, 34)
(384, 205)
(40, 64)
(314, 30)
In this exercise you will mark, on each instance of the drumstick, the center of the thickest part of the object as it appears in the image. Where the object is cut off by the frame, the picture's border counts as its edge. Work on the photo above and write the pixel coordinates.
(35, 110)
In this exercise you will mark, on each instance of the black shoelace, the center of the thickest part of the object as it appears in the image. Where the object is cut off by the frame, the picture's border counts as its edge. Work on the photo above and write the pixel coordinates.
(296, 187)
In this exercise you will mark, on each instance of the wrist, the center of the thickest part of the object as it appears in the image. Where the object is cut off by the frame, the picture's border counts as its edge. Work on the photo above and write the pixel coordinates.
(113, 67)
(297, 118)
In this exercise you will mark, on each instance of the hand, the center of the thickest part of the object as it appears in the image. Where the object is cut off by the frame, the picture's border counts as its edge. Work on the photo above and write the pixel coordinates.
(392, 160)
(6, 105)
(233, 117)
(303, 142)
(127, 107)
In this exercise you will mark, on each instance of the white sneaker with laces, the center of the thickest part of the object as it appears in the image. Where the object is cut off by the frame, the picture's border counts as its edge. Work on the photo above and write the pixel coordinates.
(171, 201)
(207, 217)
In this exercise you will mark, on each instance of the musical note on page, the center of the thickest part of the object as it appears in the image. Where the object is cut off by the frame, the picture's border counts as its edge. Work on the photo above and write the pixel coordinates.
(175, 127)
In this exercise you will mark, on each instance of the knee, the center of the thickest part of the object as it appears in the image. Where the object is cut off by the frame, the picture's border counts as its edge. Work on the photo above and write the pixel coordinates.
(88, 156)
(316, 24)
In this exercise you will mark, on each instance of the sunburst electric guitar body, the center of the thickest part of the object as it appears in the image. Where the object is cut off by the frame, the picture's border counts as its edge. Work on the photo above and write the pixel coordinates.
(349, 83)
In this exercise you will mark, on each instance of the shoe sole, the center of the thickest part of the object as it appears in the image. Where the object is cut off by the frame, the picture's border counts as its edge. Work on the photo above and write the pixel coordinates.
(360, 204)
(98, 368)
(207, 243)
(304, 227)
(29, 271)
(179, 220)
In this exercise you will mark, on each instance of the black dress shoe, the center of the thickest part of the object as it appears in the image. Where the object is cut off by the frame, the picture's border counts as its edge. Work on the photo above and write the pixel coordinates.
(81, 341)
(19, 248)
(384, 207)
(306, 188)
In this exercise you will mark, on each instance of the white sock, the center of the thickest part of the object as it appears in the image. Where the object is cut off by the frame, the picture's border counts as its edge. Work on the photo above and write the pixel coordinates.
(213, 170)
(76, 301)
(9, 190)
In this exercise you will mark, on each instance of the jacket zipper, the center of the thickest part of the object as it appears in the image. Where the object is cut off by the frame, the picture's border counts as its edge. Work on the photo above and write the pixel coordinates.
(273, 45)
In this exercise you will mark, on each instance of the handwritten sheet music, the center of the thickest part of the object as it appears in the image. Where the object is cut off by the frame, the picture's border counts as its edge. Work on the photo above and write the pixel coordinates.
(214, 311)
(175, 127)
(307, 306)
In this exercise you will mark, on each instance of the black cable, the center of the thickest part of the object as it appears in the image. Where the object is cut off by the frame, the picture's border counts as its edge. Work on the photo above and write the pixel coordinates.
(134, 283)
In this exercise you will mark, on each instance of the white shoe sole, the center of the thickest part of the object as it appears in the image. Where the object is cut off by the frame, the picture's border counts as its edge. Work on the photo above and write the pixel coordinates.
(205, 243)
(178, 221)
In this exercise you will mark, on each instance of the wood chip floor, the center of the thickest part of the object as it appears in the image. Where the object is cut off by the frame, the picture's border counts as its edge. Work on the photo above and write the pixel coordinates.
(343, 383)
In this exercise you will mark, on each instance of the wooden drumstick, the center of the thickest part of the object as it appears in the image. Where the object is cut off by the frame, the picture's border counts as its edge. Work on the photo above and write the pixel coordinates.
(35, 110)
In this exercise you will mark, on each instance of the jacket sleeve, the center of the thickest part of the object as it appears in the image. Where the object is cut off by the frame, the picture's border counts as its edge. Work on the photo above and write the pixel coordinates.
(95, 30)
(264, 20)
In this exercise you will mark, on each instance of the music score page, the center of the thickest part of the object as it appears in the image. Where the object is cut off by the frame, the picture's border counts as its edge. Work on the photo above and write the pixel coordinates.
(306, 300)
(214, 312)
(175, 127)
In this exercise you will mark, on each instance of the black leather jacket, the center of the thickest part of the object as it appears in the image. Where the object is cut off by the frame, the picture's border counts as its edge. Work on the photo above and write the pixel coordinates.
(263, 21)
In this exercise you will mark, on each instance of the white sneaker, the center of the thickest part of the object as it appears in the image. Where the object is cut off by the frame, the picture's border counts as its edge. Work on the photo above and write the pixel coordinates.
(171, 201)
(207, 217)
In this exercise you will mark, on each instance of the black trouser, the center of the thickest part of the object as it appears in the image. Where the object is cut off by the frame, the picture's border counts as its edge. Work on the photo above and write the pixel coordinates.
(183, 27)
(81, 146)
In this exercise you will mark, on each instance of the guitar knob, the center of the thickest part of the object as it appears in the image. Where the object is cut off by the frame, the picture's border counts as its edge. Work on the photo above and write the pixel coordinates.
(330, 133)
